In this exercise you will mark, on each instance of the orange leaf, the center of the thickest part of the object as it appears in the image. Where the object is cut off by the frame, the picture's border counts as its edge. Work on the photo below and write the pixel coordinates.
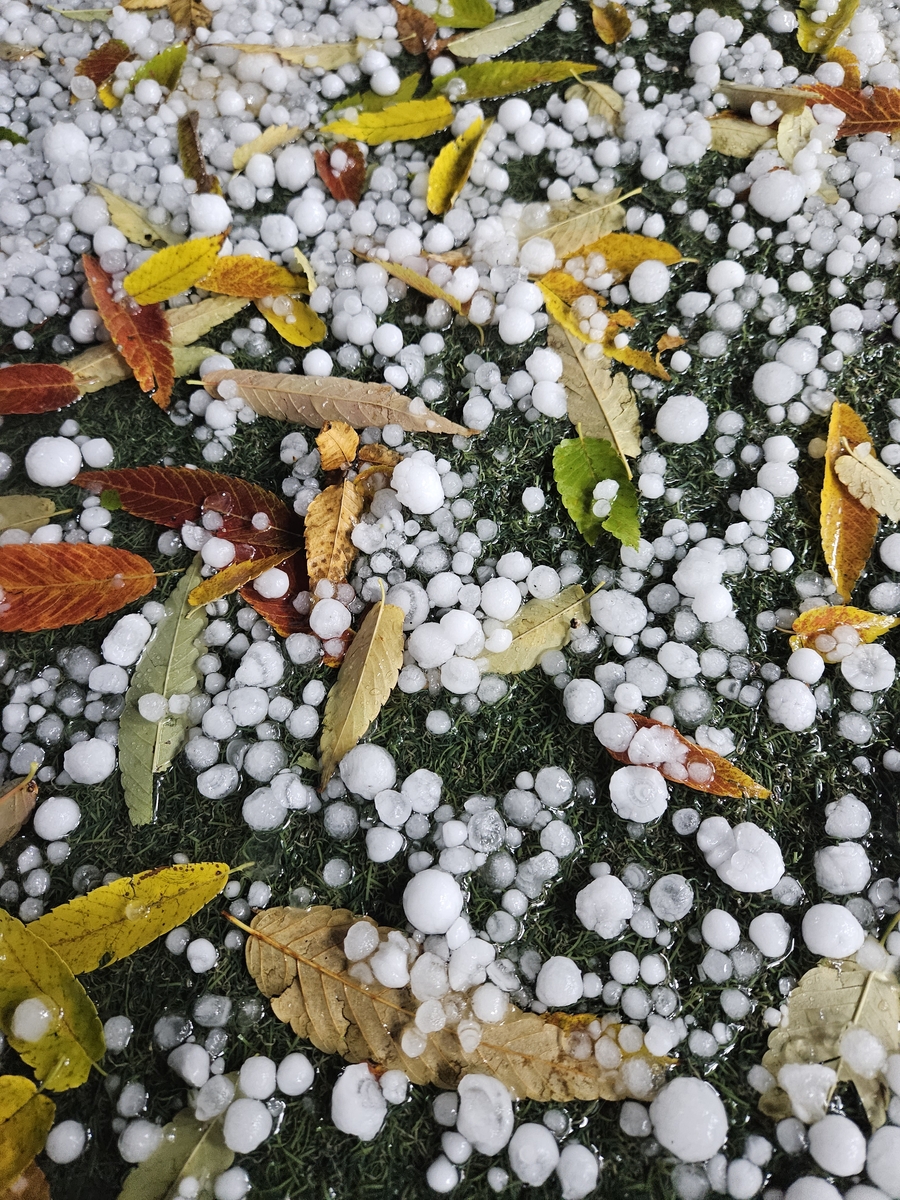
(611, 22)
(669, 341)
(641, 360)
(36, 388)
(141, 334)
(875, 111)
(343, 168)
(848, 528)
(17, 803)
(337, 443)
(685, 762)
(378, 455)
(253, 278)
(100, 64)
(47, 586)
(280, 613)
(848, 60)
(416, 32)
(31, 1185)
(815, 621)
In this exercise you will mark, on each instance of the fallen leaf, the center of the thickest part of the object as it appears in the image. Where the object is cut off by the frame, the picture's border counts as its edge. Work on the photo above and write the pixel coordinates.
(25, 512)
(685, 762)
(296, 957)
(62, 1057)
(638, 360)
(830, 999)
(450, 170)
(416, 32)
(846, 59)
(742, 96)
(469, 14)
(337, 443)
(48, 586)
(192, 321)
(36, 388)
(558, 301)
(100, 65)
(248, 276)
(502, 35)
(539, 626)
(582, 220)
(131, 220)
(310, 400)
(26, 1117)
(736, 137)
(299, 325)
(304, 264)
(15, 52)
(364, 683)
(328, 56)
(875, 111)
(371, 102)
(601, 100)
(270, 139)
(569, 289)
(794, 130)
(31, 1185)
(380, 456)
(404, 122)
(343, 170)
(7, 135)
(491, 80)
(420, 282)
(816, 621)
(624, 251)
(140, 333)
(188, 359)
(173, 270)
(332, 516)
(164, 67)
(191, 13)
(83, 14)
(868, 480)
(848, 527)
(579, 464)
(669, 341)
(233, 577)
(599, 402)
(612, 22)
(115, 920)
(167, 667)
(193, 161)
(279, 612)
(190, 1150)
(17, 800)
(818, 37)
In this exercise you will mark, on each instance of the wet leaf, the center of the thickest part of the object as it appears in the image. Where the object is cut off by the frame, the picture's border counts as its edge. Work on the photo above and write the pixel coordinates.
(25, 512)
(191, 13)
(270, 139)
(173, 270)
(450, 170)
(469, 14)
(7, 135)
(280, 612)
(868, 480)
(17, 800)
(48, 586)
(304, 264)
(100, 65)
(328, 56)
(685, 762)
(192, 321)
(333, 515)
(875, 111)
(560, 291)
(36, 388)
(372, 102)
(742, 96)
(31, 1185)
(624, 251)
(416, 32)
(500, 36)
(794, 130)
(193, 161)
(140, 333)
(229, 579)
(579, 464)
(847, 526)
(15, 52)
(62, 1057)
(830, 999)
(601, 100)
(420, 282)
(736, 137)
(83, 14)
(539, 626)
(343, 170)
(599, 402)
(582, 220)
(131, 220)
(612, 22)
(364, 683)
(846, 59)
(819, 37)
(669, 341)
(638, 360)
(26, 1117)
(491, 80)
(309, 400)
(166, 667)
(404, 122)
(296, 957)
(190, 1149)
(164, 67)
(250, 277)
(815, 621)
(115, 920)
(300, 326)
(337, 444)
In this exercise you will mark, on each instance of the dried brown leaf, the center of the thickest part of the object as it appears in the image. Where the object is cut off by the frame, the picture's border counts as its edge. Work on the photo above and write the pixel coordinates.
(337, 443)
(17, 800)
(330, 520)
(612, 22)
(848, 527)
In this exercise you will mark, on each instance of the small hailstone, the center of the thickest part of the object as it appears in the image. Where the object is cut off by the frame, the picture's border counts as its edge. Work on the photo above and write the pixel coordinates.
(720, 930)
(537, 255)
(777, 195)
(689, 1119)
(97, 452)
(139, 1140)
(56, 818)
(295, 1074)
(247, 1125)
(533, 1153)
(638, 793)
(358, 1105)
(577, 1171)
(368, 769)
(559, 982)
(201, 955)
(771, 934)
(605, 906)
(882, 1158)
(257, 1077)
(31, 1019)
(837, 1145)
(65, 1142)
(418, 485)
(831, 931)
(233, 1184)
(790, 703)
(485, 1115)
(191, 1062)
(52, 461)
(126, 640)
(533, 499)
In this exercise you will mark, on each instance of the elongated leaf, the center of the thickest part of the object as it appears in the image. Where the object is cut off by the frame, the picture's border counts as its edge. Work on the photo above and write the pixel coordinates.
(421, 283)
(491, 80)
(26, 1117)
(502, 35)
(742, 96)
(310, 400)
(416, 32)
(25, 512)
(365, 681)
(235, 576)
(114, 921)
(869, 481)
(48, 586)
(300, 326)
(583, 219)
(601, 100)
(406, 121)
(190, 1149)
(193, 161)
(296, 957)
(736, 137)
(280, 612)
(167, 667)
(17, 800)
(611, 22)
(599, 402)
(624, 251)
(192, 14)
(818, 37)
(36, 388)
(848, 527)
(816, 621)
(829, 1000)
(192, 321)
(343, 169)
(61, 1058)
(245, 275)
(270, 139)
(469, 14)
(83, 14)
(173, 270)
(337, 443)
(100, 65)
(372, 102)
(450, 170)
(131, 220)
(539, 626)
(328, 56)
(579, 464)
(560, 291)
(164, 67)
(331, 519)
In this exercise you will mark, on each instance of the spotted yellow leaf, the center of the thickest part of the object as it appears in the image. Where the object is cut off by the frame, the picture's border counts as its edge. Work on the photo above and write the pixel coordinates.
(402, 122)
(270, 139)
(173, 270)
(300, 326)
(451, 169)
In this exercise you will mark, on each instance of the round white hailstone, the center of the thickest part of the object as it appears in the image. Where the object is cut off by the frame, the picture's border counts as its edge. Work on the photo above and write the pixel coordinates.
(63, 142)
(544, 365)
(202, 955)
(329, 619)
(791, 704)
(842, 870)
(778, 478)
(744, 1179)
(56, 818)
(559, 982)
(577, 1171)
(618, 612)
(837, 1145)
(442, 1176)
(638, 794)
(272, 584)
(233, 1184)
(358, 1105)
(65, 1142)
(460, 676)
(832, 931)
(682, 419)
(583, 701)
(489, 1003)
(811, 1187)
(208, 213)
(776, 383)
(295, 1075)
(191, 1062)
(90, 761)
(533, 1153)
(889, 551)
(806, 665)
(869, 668)
(879, 199)
(605, 906)
(262, 809)
(388, 340)
(485, 1115)
(777, 195)
(689, 1119)
(52, 461)
(847, 818)
(217, 552)
(756, 863)
(31, 1019)
(707, 48)
(257, 1077)
(418, 485)
(725, 276)
(525, 295)
(883, 1160)
(515, 326)
(383, 844)
(278, 232)
(513, 114)
(713, 603)
(649, 281)
(430, 646)
(126, 640)
(367, 770)
(614, 731)
(247, 1125)
(500, 598)
(318, 363)
(770, 934)
(294, 167)
(459, 626)
(720, 930)
(549, 399)
(432, 901)
(537, 255)
(139, 1139)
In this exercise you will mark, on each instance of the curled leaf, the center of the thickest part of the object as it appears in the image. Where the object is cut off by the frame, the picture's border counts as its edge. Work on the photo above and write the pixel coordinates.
(539, 626)
(406, 121)
(26, 1117)
(794, 131)
(36, 388)
(343, 170)
(279, 611)
(816, 621)
(193, 160)
(333, 515)
(579, 465)
(848, 527)
(451, 168)
(328, 56)
(173, 270)
(417, 33)
(612, 22)
(17, 800)
(164, 67)
(421, 283)
(847, 60)
(235, 576)
(192, 14)
(600, 403)
(742, 96)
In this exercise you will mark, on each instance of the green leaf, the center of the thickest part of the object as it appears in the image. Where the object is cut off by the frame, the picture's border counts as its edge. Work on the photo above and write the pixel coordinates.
(164, 67)
(371, 102)
(7, 135)
(579, 464)
(500, 36)
(815, 38)
(190, 1148)
(109, 499)
(490, 80)
(539, 626)
(168, 667)
(83, 14)
(467, 14)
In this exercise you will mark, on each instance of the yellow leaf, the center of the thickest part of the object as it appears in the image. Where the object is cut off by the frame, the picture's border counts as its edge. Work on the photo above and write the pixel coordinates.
(561, 312)
(186, 360)
(107, 96)
(192, 321)
(173, 270)
(600, 403)
(491, 80)
(611, 22)
(451, 168)
(364, 683)
(735, 136)
(817, 37)
(304, 264)
(420, 282)
(583, 219)
(131, 220)
(192, 13)
(794, 130)
(73, 1040)
(640, 360)
(624, 251)
(815, 622)
(868, 480)
(337, 444)
(331, 519)
(248, 276)
(190, 1150)
(270, 139)
(300, 326)
(234, 576)
(500, 36)
(26, 1116)
(115, 920)
(402, 122)
(845, 58)
(601, 100)
(847, 526)
(539, 626)
(25, 512)
(568, 288)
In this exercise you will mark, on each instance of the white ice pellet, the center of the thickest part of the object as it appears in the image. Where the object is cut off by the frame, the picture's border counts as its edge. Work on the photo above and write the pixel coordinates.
(257, 1077)
(31, 1019)
(577, 1171)
(638, 793)
(770, 934)
(837, 1145)
(559, 982)
(295, 1074)
(368, 769)
(500, 598)
(233, 1184)
(831, 931)
(537, 255)
(138, 1140)
(247, 1125)
(56, 818)
(583, 701)
(485, 1114)
(126, 640)
(358, 1106)
(65, 1142)
(720, 930)
(208, 213)
(432, 901)
(191, 1062)
(649, 281)
(689, 1119)
(777, 195)
(790, 703)
(90, 761)
(605, 906)
(201, 955)
(52, 461)
(418, 484)
(533, 1153)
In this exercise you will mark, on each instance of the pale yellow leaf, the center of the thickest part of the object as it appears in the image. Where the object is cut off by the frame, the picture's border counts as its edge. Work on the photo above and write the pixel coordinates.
(601, 100)
(810, 625)
(337, 444)
(818, 37)
(742, 96)
(192, 321)
(599, 402)
(327, 55)
(583, 219)
(173, 270)
(25, 512)
(502, 35)
(403, 122)
(332, 516)
(186, 360)
(132, 220)
(868, 480)
(300, 327)
(17, 800)
(450, 170)
(794, 130)
(539, 626)
(83, 14)
(270, 139)
(190, 1150)
(26, 1116)
(304, 264)
(737, 137)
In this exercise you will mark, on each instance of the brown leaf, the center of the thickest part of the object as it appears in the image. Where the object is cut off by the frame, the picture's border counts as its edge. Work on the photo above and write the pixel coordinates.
(811, 624)
(17, 800)
(742, 96)
(193, 162)
(101, 63)
(870, 111)
(611, 22)
(141, 334)
(36, 388)
(337, 443)
(669, 341)
(48, 586)
(280, 612)
(331, 519)
(31, 1185)
(378, 455)
(850, 63)
(416, 32)
(296, 957)
(848, 528)
(192, 13)
(343, 170)
(250, 277)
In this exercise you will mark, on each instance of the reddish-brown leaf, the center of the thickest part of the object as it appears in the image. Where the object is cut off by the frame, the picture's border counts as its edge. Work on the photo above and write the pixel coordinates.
(17, 801)
(343, 170)
(193, 162)
(47, 586)
(141, 334)
(36, 388)
(417, 33)
(101, 63)
(31, 1185)
(281, 614)
(875, 110)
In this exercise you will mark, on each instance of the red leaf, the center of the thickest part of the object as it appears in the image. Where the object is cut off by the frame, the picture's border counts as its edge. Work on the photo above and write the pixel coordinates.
(872, 111)
(343, 170)
(100, 64)
(47, 586)
(141, 334)
(281, 614)
(36, 388)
